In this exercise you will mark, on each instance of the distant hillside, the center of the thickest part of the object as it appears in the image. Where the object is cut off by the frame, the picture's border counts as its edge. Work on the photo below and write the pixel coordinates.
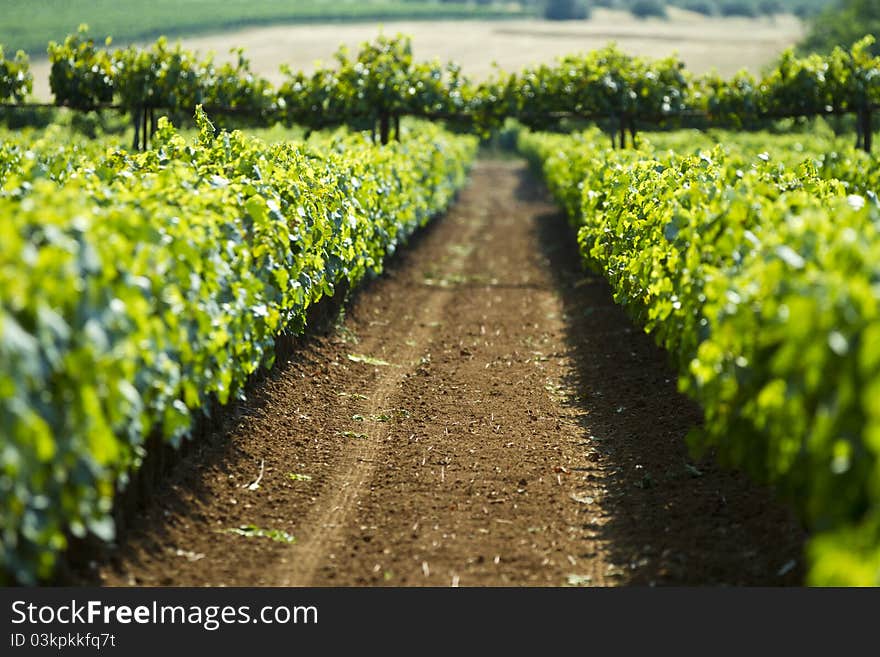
(802, 8)
(843, 23)
(30, 24)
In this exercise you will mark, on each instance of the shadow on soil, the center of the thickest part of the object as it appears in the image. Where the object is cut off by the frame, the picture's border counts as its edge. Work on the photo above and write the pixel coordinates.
(666, 519)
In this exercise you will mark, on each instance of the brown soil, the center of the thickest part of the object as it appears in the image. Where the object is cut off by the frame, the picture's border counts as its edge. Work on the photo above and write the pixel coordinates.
(523, 432)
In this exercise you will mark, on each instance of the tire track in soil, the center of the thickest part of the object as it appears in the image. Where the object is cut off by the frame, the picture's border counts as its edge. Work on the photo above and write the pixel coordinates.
(523, 433)
(330, 516)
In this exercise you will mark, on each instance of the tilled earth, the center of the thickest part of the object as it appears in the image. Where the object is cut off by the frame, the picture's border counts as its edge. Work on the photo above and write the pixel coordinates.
(484, 414)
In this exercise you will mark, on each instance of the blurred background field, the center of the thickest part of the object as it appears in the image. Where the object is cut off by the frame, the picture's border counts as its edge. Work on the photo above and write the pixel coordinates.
(726, 35)
(30, 25)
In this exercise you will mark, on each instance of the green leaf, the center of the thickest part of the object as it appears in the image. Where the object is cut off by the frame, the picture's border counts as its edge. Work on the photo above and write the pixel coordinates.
(369, 360)
(252, 531)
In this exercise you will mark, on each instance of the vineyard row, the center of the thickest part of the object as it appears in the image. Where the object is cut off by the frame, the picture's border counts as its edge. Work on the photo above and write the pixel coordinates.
(383, 82)
(138, 289)
(760, 278)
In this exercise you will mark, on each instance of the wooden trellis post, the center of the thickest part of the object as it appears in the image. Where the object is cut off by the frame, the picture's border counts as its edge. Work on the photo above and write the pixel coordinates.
(384, 127)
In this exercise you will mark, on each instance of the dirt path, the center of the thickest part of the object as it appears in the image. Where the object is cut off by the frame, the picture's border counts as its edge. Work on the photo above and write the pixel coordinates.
(510, 427)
